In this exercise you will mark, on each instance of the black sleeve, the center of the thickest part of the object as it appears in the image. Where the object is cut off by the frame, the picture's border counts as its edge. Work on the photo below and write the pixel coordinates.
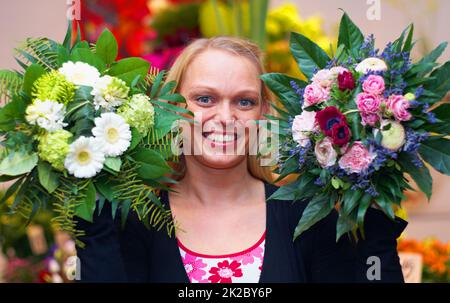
(112, 253)
(373, 259)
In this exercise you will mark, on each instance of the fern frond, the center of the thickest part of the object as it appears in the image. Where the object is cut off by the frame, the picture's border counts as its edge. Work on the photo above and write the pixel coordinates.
(40, 51)
(156, 141)
(68, 196)
(144, 200)
(10, 85)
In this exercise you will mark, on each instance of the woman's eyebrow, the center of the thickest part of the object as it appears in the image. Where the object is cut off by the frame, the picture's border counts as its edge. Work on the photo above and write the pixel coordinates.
(238, 92)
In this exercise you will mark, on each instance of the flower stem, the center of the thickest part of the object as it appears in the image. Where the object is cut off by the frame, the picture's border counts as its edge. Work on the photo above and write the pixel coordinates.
(351, 112)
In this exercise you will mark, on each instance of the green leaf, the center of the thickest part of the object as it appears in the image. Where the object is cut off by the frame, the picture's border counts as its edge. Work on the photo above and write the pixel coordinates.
(437, 153)
(167, 88)
(136, 137)
(280, 85)
(11, 112)
(33, 72)
(113, 163)
(350, 35)
(125, 208)
(441, 85)
(156, 84)
(87, 56)
(18, 163)
(421, 175)
(106, 47)
(318, 208)
(105, 188)
(429, 60)
(364, 204)
(409, 43)
(152, 163)
(442, 113)
(48, 178)
(309, 55)
(343, 226)
(86, 209)
(351, 198)
(68, 38)
(127, 69)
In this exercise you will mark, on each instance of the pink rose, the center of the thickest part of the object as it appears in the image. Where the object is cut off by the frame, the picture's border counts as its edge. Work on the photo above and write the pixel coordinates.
(314, 94)
(368, 103)
(373, 85)
(324, 78)
(325, 153)
(398, 105)
(356, 159)
(302, 126)
(370, 118)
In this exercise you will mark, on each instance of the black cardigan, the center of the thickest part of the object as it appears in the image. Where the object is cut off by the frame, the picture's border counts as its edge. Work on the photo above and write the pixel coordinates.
(137, 254)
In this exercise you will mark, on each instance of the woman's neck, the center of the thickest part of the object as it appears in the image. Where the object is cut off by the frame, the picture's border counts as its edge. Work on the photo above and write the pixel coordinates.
(206, 185)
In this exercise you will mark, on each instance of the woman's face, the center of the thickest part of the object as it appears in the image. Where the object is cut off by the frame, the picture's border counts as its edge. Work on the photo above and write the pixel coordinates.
(224, 93)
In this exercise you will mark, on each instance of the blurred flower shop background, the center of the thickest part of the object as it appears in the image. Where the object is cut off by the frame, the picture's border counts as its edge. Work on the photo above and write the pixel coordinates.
(158, 30)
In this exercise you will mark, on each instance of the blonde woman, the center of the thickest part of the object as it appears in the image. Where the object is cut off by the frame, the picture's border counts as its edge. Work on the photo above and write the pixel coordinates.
(227, 232)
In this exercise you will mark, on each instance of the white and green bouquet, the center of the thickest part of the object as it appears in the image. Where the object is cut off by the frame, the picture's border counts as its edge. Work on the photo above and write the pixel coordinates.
(364, 120)
(81, 129)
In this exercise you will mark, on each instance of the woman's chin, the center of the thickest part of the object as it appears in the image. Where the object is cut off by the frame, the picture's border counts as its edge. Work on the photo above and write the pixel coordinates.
(220, 161)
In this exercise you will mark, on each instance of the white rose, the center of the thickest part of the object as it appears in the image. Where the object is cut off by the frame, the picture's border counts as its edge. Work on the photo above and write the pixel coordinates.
(323, 78)
(325, 153)
(302, 127)
(371, 64)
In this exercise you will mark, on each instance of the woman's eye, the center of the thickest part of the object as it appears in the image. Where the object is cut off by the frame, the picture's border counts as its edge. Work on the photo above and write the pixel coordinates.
(204, 99)
(246, 102)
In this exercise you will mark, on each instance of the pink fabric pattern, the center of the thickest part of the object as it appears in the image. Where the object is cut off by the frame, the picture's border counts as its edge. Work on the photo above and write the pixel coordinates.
(242, 267)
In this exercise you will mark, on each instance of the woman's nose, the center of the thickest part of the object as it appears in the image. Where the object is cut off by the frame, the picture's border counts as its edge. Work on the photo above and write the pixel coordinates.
(225, 112)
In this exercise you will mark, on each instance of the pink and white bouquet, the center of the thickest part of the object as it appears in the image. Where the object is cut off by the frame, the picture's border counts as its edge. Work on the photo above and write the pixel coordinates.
(363, 120)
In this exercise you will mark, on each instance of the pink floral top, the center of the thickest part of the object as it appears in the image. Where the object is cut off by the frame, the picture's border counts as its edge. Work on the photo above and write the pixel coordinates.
(242, 267)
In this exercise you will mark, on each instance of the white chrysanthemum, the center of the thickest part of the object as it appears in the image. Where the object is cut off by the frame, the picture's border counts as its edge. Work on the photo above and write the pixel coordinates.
(80, 73)
(109, 92)
(85, 159)
(46, 114)
(113, 134)
(371, 64)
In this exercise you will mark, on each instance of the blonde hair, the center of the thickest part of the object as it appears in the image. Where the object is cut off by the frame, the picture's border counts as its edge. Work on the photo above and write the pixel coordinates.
(239, 47)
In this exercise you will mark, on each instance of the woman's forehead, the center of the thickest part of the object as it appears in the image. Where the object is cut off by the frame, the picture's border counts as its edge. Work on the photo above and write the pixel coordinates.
(218, 65)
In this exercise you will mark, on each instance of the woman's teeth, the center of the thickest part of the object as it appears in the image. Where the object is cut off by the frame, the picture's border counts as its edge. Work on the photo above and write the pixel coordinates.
(220, 137)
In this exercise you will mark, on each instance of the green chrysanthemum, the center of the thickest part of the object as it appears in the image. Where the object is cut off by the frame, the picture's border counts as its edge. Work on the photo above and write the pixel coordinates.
(53, 148)
(53, 86)
(138, 112)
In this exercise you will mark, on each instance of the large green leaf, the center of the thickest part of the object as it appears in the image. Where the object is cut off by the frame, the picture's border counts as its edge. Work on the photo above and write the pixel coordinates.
(429, 60)
(437, 153)
(86, 209)
(350, 35)
(106, 47)
(280, 84)
(12, 112)
(18, 163)
(442, 126)
(48, 178)
(129, 68)
(318, 208)
(441, 85)
(33, 72)
(87, 56)
(421, 175)
(152, 163)
(309, 55)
